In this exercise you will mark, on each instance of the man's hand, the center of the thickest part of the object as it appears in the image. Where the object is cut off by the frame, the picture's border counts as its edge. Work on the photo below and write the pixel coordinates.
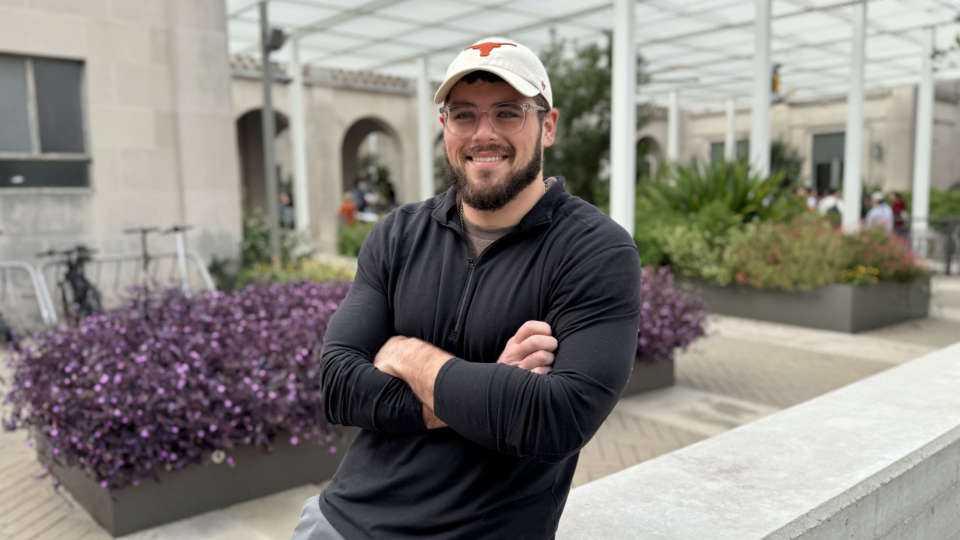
(417, 363)
(531, 348)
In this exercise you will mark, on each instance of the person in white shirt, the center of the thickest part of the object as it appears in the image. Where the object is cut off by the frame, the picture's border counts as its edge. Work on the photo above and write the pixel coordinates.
(830, 202)
(880, 214)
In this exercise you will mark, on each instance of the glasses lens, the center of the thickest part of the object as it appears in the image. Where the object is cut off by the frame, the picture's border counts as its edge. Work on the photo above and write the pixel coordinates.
(507, 119)
(462, 121)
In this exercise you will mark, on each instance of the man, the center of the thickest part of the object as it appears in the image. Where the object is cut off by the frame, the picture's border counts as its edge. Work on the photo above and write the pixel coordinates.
(880, 214)
(489, 331)
(831, 203)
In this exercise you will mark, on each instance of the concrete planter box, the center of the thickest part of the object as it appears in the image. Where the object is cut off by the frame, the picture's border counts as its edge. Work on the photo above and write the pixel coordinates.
(206, 487)
(649, 376)
(838, 307)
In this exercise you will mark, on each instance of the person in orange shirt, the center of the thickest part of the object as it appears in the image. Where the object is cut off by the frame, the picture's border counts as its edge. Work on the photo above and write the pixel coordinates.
(348, 209)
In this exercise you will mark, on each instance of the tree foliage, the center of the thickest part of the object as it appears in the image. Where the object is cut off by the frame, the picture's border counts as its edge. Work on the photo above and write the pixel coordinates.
(581, 78)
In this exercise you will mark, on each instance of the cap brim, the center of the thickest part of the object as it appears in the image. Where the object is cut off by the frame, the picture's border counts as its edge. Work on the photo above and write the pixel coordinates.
(512, 79)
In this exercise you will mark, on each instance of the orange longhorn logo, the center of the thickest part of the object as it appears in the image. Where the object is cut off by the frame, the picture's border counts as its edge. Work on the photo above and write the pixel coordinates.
(485, 48)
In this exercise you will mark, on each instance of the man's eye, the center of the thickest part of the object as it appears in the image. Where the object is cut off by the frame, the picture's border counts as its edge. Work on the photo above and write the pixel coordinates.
(463, 115)
(507, 114)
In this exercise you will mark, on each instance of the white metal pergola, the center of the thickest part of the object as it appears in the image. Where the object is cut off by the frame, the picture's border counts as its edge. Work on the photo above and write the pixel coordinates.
(707, 54)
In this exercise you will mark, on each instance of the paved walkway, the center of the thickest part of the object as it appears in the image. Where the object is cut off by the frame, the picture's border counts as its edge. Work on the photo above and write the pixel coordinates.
(743, 371)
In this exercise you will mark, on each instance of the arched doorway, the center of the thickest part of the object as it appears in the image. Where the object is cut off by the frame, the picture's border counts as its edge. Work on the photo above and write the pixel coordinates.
(371, 154)
(648, 157)
(250, 151)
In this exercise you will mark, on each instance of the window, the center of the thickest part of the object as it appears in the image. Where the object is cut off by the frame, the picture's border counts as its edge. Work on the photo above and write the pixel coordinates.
(42, 142)
(742, 150)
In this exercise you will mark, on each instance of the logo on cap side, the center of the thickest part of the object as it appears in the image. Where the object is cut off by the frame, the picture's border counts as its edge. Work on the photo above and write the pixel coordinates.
(485, 48)
(543, 84)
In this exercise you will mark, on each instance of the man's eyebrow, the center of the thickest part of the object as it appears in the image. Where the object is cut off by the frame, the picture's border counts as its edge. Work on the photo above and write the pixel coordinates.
(460, 104)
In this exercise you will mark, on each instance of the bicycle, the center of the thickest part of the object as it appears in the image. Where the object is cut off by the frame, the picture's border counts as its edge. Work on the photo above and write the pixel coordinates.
(80, 297)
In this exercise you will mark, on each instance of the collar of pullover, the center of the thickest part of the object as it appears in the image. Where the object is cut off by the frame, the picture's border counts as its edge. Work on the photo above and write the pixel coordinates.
(542, 212)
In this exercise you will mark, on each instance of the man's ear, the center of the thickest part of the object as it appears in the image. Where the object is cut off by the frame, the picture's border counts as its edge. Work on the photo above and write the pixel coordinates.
(549, 131)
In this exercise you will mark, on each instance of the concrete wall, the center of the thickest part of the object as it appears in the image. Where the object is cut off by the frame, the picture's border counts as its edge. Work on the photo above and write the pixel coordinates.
(889, 121)
(878, 459)
(160, 128)
(331, 112)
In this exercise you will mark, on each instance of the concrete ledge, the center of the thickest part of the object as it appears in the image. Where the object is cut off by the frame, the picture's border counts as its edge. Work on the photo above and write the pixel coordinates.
(879, 459)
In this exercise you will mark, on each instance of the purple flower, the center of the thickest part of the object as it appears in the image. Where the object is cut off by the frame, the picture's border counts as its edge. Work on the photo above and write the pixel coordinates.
(183, 378)
(669, 317)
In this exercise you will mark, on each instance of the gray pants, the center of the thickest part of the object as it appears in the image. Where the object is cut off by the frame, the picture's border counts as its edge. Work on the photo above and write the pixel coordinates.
(313, 525)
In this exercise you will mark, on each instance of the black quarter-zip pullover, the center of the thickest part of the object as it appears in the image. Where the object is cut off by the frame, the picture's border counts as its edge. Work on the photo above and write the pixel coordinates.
(503, 467)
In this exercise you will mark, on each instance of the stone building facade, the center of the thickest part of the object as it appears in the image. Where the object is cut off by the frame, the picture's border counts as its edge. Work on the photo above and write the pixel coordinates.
(816, 128)
(140, 91)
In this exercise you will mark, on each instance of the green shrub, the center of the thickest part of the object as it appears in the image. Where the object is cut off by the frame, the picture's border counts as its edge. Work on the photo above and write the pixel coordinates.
(254, 251)
(728, 191)
(690, 252)
(300, 270)
(942, 203)
(255, 248)
(349, 239)
(805, 253)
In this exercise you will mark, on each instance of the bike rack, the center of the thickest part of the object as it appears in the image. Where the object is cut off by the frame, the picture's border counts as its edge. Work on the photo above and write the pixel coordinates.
(98, 262)
(47, 312)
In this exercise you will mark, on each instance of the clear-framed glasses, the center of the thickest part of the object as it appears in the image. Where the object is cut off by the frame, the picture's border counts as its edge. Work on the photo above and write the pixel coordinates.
(505, 118)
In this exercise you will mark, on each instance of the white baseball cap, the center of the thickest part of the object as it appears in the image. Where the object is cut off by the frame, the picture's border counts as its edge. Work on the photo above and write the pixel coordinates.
(505, 58)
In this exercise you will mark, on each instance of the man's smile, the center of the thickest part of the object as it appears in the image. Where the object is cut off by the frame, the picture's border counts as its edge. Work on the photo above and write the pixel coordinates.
(487, 160)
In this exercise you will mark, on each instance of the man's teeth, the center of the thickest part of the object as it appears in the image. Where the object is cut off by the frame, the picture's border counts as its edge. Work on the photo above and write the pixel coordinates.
(486, 159)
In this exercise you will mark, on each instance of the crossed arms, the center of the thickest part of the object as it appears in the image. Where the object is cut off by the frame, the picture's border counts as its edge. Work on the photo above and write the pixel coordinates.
(418, 362)
(388, 384)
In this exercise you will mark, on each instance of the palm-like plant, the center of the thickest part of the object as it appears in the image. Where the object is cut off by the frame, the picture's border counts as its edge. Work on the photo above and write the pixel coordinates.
(689, 189)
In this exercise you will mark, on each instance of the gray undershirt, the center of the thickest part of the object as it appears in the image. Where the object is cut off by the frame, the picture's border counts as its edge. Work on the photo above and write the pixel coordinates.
(479, 237)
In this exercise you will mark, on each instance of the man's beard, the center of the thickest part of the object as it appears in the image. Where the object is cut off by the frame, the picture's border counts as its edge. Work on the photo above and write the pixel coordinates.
(495, 197)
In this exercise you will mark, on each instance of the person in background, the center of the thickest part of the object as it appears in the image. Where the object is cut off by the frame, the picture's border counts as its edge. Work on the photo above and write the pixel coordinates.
(880, 214)
(359, 193)
(831, 203)
(286, 211)
(899, 207)
(808, 198)
(348, 209)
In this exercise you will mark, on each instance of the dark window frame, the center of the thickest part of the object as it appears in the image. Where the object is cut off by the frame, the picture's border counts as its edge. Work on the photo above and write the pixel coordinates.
(36, 154)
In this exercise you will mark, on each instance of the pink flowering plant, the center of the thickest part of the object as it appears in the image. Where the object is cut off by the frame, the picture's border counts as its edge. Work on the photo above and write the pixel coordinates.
(670, 318)
(170, 381)
(887, 256)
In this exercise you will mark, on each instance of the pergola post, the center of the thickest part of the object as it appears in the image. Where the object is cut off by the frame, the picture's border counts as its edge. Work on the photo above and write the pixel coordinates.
(760, 110)
(673, 126)
(298, 142)
(425, 119)
(920, 210)
(730, 140)
(623, 122)
(269, 133)
(853, 141)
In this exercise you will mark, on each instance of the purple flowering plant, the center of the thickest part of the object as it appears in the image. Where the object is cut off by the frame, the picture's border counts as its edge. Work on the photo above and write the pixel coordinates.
(168, 379)
(670, 318)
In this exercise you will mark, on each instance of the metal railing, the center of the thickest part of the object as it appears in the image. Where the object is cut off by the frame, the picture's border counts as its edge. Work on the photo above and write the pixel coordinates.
(114, 274)
(8, 295)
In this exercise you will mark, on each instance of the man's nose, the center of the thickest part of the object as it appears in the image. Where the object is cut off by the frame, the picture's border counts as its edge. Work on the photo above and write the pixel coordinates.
(485, 130)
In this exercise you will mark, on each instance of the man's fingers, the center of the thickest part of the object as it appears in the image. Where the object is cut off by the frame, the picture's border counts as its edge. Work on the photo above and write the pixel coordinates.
(537, 359)
(536, 343)
(543, 370)
(531, 328)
